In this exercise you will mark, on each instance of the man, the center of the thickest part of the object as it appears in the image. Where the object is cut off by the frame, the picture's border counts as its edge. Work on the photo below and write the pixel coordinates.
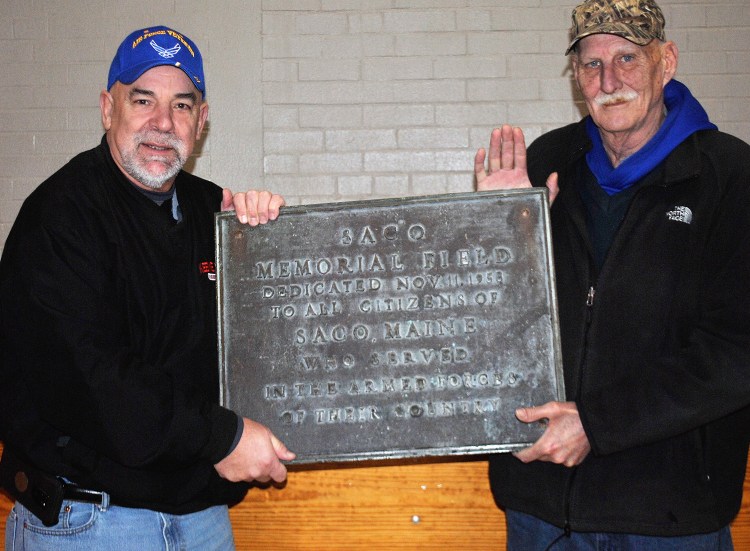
(652, 263)
(109, 378)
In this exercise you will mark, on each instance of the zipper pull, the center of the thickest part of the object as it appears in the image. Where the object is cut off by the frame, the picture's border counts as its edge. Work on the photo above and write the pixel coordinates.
(590, 297)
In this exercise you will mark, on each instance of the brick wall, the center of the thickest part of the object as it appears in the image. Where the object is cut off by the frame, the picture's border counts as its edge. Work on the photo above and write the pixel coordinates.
(329, 100)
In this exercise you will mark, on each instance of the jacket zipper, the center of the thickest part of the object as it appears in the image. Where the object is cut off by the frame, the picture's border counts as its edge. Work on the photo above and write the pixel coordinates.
(590, 302)
(590, 295)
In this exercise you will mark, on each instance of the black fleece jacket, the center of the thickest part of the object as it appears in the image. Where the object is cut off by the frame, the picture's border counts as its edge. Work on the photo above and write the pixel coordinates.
(108, 373)
(656, 346)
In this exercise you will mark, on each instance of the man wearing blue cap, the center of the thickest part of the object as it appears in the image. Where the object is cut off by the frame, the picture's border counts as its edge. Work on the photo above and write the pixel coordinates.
(109, 412)
(652, 266)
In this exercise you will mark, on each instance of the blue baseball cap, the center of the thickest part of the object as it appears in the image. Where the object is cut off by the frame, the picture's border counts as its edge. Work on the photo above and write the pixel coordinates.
(148, 48)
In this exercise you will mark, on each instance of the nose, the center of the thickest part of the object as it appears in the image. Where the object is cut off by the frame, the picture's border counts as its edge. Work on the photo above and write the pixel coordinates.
(610, 80)
(162, 118)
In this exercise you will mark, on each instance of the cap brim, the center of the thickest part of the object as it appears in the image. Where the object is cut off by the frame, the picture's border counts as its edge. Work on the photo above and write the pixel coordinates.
(618, 29)
(133, 73)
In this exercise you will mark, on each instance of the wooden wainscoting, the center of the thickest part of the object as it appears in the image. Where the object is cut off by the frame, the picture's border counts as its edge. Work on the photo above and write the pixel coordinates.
(443, 504)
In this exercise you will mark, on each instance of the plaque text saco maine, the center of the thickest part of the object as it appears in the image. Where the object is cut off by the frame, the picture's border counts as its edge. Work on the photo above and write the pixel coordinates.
(392, 328)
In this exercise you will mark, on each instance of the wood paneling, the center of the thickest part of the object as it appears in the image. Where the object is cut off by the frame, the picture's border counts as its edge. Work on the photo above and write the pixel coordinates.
(405, 505)
(440, 505)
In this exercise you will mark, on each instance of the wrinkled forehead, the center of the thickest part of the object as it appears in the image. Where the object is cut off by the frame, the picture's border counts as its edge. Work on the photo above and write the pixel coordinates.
(607, 43)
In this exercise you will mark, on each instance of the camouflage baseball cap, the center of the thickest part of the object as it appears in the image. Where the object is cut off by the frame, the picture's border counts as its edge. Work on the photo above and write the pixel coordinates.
(639, 21)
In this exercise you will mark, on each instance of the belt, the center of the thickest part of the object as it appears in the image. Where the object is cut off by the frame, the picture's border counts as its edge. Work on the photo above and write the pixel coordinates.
(42, 493)
(73, 492)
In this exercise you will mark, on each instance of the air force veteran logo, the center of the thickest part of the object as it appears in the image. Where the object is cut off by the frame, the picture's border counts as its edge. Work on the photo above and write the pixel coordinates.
(166, 53)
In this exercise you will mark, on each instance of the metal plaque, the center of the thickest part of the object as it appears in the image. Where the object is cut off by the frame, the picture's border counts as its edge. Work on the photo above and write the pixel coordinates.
(391, 328)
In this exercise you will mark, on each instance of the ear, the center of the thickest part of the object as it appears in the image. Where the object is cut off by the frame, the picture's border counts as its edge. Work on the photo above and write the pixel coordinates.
(669, 55)
(202, 117)
(106, 103)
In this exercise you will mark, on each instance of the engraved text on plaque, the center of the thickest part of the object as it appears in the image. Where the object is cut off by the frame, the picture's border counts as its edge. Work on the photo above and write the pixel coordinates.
(391, 328)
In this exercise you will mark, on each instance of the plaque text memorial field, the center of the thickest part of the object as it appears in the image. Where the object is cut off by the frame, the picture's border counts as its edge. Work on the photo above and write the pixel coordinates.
(391, 328)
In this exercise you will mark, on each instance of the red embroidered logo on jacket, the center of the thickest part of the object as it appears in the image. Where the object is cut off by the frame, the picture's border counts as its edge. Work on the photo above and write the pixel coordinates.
(209, 268)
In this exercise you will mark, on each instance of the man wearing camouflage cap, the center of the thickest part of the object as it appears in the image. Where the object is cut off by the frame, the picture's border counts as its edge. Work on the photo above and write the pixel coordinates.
(652, 264)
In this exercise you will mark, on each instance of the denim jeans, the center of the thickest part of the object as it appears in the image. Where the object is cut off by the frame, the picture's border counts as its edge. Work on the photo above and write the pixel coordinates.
(528, 533)
(87, 527)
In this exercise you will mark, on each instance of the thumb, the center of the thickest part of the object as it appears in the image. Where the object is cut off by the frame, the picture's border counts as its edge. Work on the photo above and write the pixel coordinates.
(282, 452)
(226, 200)
(530, 414)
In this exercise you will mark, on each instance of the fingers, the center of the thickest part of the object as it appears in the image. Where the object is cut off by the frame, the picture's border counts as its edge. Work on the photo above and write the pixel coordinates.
(246, 207)
(479, 171)
(564, 441)
(226, 199)
(553, 187)
(278, 472)
(527, 455)
(507, 147)
(274, 205)
(505, 160)
(275, 468)
(496, 144)
(271, 470)
(258, 456)
(518, 142)
(255, 207)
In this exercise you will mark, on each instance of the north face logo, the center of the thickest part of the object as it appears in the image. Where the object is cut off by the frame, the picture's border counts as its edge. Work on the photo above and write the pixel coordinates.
(680, 214)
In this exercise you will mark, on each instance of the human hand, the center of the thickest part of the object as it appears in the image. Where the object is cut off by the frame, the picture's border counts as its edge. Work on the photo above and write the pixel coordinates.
(507, 163)
(258, 456)
(564, 441)
(252, 207)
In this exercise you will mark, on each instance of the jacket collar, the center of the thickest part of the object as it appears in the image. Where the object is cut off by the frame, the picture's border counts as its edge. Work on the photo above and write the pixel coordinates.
(685, 161)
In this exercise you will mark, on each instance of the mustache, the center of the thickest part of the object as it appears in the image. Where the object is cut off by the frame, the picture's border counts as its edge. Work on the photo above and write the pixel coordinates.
(617, 97)
(161, 139)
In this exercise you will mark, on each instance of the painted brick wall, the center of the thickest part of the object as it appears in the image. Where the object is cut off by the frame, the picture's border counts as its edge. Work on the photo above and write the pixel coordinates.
(329, 100)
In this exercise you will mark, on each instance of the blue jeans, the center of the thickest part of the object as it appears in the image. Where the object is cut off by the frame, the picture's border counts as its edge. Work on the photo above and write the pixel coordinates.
(528, 533)
(87, 527)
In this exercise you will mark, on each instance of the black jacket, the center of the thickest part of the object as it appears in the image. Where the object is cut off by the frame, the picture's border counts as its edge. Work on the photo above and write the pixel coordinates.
(658, 362)
(108, 374)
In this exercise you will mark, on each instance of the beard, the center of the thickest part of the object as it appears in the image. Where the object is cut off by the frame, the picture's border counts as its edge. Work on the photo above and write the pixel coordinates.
(137, 166)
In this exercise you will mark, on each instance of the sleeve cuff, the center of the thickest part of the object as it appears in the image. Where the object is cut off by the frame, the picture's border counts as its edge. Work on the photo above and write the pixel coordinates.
(224, 434)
